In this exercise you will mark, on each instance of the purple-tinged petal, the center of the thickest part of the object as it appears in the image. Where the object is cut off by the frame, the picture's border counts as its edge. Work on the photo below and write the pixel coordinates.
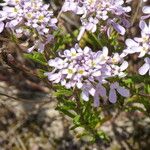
(124, 66)
(41, 47)
(131, 43)
(123, 92)
(120, 29)
(3, 16)
(79, 85)
(96, 100)
(145, 17)
(101, 90)
(147, 60)
(85, 95)
(114, 85)
(29, 50)
(54, 20)
(82, 30)
(12, 23)
(53, 77)
(112, 96)
(144, 27)
(126, 23)
(92, 91)
(143, 70)
(97, 73)
(146, 9)
(1, 26)
(68, 85)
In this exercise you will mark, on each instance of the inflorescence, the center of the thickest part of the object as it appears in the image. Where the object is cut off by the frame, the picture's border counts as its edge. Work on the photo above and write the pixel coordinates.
(89, 71)
(29, 17)
(83, 69)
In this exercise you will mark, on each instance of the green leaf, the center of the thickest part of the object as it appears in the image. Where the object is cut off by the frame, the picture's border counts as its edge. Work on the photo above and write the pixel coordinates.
(139, 79)
(63, 92)
(102, 135)
(37, 57)
(65, 111)
(76, 120)
(136, 108)
(74, 127)
(69, 104)
(40, 73)
(146, 103)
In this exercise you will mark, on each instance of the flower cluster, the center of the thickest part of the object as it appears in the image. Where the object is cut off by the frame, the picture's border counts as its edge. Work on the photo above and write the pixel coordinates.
(99, 12)
(141, 44)
(3, 17)
(29, 17)
(93, 72)
(89, 71)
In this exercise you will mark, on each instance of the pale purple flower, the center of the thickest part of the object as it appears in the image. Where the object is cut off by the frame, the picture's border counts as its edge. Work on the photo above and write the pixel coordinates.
(39, 45)
(94, 11)
(100, 93)
(3, 16)
(91, 25)
(119, 70)
(88, 89)
(87, 71)
(114, 88)
(71, 5)
(30, 15)
(141, 44)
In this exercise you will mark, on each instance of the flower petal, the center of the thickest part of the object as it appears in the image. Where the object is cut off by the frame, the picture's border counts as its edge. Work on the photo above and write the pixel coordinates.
(1, 26)
(85, 95)
(124, 66)
(123, 92)
(112, 96)
(120, 29)
(146, 9)
(96, 100)
(143, 70)
(131, 43)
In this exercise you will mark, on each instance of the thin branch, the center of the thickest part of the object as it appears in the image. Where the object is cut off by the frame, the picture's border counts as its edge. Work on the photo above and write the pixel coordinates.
(22, 100)
(136, 12)
(4, 39)
(145, 95)
(71, 22)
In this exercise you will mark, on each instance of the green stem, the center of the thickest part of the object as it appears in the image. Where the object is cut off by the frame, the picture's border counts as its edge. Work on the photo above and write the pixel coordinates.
(86, 126)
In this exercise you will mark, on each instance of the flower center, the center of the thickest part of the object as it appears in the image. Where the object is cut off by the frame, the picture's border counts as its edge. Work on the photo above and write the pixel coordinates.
(80, 71)
(70, 71)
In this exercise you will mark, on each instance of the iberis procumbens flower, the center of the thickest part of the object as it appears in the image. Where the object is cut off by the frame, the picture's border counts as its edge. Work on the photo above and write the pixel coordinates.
(29, 17)
(89, 71)
(141, 45)
(108, 13)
